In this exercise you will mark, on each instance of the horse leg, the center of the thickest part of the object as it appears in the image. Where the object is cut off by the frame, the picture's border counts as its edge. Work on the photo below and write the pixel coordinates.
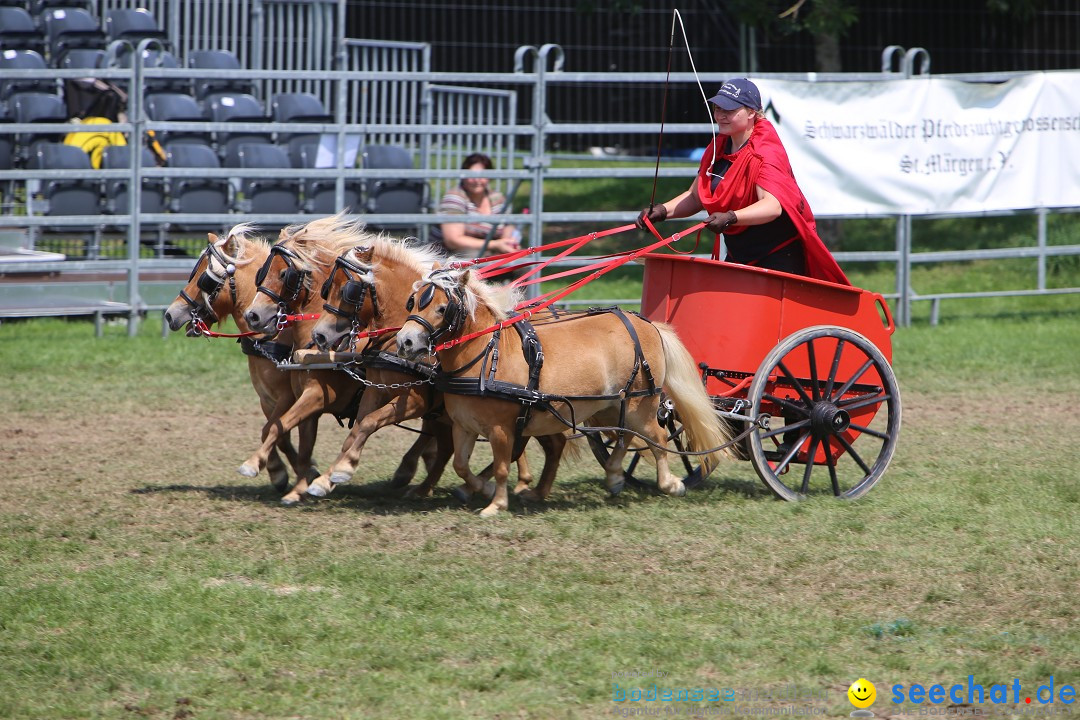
(614, 475)
(444, 450)
(464, 441)
(309, 431)
(553, 448)
(404, 406)
(275, 466)
(668, 483)
(502, 447)
(525, 476)
(310, 403)
(407, 469)
(270, 435)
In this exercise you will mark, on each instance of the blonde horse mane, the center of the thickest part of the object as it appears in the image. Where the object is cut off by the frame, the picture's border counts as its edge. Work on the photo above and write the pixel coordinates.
(318, 243)
(498, 299)
(246, 241)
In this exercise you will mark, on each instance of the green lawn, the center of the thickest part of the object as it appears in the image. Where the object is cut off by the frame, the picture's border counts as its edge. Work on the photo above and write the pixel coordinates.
(140, 576)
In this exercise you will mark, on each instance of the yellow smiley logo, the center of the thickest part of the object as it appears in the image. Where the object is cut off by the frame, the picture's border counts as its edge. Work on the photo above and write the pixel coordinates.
(862, 693)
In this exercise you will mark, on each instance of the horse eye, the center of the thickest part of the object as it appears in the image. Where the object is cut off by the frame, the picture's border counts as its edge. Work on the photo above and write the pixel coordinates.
(441, 310)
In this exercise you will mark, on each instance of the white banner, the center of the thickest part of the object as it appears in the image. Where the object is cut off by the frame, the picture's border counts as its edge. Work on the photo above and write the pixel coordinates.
(929, 145)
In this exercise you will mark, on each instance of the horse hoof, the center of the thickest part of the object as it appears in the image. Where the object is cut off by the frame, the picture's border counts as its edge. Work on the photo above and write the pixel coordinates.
(418, 493)
(290, 500)
(678, 490)
(340, 477)
(460, 495)
(316, 490)
(617, 488)
(248, 471)
(489, 512)
(530, 495)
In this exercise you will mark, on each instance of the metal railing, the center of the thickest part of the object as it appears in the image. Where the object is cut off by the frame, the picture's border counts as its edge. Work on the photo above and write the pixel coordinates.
(437, 138)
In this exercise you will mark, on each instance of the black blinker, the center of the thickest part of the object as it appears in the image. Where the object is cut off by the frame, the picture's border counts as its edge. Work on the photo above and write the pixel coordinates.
(427, 296)
(353, 293)
(208, 283)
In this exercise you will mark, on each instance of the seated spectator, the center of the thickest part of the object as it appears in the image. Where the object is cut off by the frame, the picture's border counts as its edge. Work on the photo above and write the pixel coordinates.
(473, 196)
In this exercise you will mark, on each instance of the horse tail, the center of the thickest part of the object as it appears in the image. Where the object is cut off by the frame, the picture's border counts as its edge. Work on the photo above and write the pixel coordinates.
(682, 382)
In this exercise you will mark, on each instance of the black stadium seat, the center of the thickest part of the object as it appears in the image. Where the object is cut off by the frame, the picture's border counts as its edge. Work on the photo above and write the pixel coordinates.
(218, 60)
(133, 26)
(67, 28)
(23, 60)
(264, 196)
(18, 31)
(197, 194)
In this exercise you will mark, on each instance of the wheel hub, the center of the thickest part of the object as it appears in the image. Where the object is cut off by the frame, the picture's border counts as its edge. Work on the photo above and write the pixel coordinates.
(826, 419)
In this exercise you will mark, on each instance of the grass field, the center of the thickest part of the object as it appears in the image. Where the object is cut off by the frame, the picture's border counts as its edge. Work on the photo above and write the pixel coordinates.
(141, 577)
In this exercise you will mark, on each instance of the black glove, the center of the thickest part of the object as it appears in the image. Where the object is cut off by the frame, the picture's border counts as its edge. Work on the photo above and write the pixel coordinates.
(655, 213)
(718, 221)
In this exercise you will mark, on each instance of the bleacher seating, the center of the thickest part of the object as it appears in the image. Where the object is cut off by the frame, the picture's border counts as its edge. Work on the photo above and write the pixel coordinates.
(133, 26)
(79, 196)
(152, 196)
(23, 60)
(163, 59)
(84, 58)
(236, 108)
(177, 107)
(36, 107)
(18, 31)
(218, 60)
(197, 194)
(391, 195)
(319, 194)
(70, 27)
(274, 195)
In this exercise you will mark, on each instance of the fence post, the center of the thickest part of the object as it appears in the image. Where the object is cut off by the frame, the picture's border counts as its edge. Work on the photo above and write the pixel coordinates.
(1040, 215)
(539, 160)
(903, 270)
(137, 118)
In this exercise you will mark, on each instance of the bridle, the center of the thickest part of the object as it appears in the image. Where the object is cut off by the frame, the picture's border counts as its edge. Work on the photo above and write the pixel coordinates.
(353, 294)
(453, 316)
(291, 285)
(210, 283)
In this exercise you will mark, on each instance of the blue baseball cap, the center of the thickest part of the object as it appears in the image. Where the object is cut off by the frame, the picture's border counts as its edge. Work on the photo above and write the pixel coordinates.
(736, 93)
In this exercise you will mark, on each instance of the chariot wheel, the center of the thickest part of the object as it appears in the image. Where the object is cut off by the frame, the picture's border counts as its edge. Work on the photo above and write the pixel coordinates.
(830, 415)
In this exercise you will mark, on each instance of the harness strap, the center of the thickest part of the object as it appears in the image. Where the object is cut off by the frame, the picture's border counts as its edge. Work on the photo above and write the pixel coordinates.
(533, 351)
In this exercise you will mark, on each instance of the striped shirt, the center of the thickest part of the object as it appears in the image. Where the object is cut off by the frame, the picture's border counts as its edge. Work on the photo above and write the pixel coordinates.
(457, 202)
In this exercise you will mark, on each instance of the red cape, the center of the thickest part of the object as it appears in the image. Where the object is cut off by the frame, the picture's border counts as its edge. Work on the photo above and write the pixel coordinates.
(763, 161)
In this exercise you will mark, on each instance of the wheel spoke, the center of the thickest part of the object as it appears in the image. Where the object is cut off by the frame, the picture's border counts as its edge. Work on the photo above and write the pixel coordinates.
(809, 466)
(869, 431)
(854, 455)
(814, 389)
(860, 402)
(785, 403)
(791, 453)
(831, 462)
(851, 381)
(835, 366)
(798, 385)
(786, 428)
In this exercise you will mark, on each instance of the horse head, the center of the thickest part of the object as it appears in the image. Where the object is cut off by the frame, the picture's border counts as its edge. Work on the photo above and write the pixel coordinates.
(368, 287)
(439, 307)
(299, 262)
(201, 302)
(350, 300)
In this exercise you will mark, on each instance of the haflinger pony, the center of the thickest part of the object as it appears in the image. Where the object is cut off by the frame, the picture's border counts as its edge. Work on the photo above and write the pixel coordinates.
(608, 367)
(366, 291)
(222, 284)
(297, 266)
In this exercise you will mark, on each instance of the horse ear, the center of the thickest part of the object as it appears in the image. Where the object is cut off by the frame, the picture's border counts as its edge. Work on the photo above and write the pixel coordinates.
(212, 238)
(464, 277)
(436, 266)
